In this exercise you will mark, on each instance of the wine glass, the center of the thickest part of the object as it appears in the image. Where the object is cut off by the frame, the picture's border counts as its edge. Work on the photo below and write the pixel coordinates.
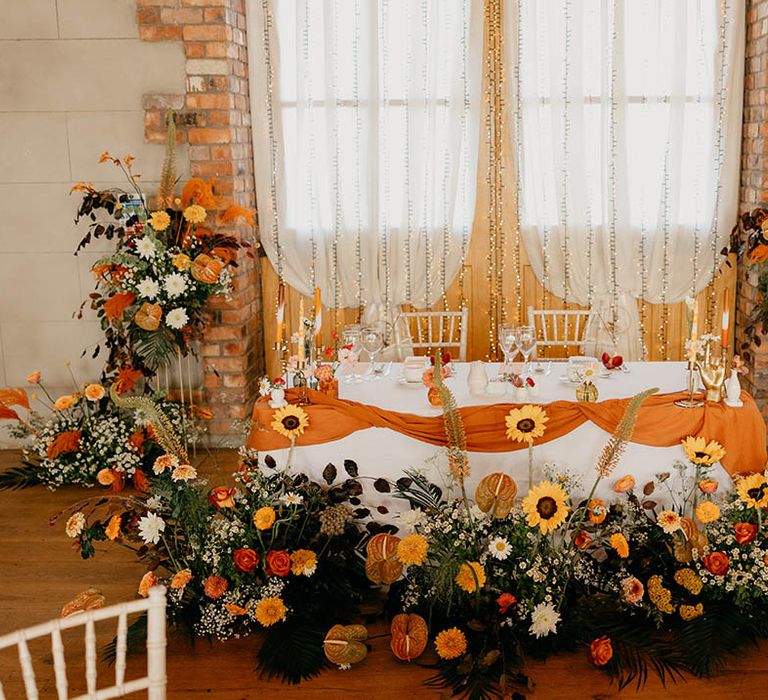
(372, 341)
(352, 337)
(526, 342)
(508, 341)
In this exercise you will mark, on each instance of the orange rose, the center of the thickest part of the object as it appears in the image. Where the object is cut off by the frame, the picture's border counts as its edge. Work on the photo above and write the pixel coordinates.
(624, 484)
(745, 532)
(65, 402)
(596, 511)
(600, 651)
(246, 560)
(147, 581)
(94, 392)
(215, 586)
(106, 477)
(221, 497)
(278, 563)
(716, 563)
(505, 601)
(33, 378)
(708, 485)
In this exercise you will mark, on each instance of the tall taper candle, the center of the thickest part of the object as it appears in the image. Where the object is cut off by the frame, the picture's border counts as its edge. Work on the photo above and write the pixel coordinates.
(318, 315)
(726, 323)
(280, 316)
(300, 352)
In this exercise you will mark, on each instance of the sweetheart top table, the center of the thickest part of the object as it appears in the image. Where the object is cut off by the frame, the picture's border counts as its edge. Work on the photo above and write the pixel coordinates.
(387, 426)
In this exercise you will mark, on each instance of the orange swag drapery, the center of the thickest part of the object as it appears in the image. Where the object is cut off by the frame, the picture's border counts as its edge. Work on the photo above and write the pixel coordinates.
(741, 431)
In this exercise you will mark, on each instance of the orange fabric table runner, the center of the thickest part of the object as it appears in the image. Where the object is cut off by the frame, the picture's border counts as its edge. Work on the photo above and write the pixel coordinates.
(741, 431)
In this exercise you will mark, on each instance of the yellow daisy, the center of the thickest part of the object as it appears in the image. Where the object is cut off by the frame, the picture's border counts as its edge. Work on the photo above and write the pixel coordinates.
(471, 576)
(412, 550)
(290, 421)
(159, 220)
(195, 214)
(270, 610)
(753, 490)
(451, 643)
(699, 451)
(545, 506)
(526, 423)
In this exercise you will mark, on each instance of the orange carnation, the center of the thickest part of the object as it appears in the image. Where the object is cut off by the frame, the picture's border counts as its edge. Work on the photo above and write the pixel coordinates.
(147, 581)
(624, 484)
(112, 531)
(64, 443)
(181, 579)
(115, 306)
(215, 586)
(65, 402)
(33, 378)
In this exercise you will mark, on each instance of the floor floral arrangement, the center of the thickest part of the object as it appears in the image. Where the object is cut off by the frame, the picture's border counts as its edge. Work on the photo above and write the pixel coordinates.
(670, 578)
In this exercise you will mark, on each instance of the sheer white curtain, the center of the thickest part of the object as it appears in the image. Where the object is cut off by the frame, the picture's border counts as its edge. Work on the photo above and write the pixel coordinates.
(365, 140)
(627, 132)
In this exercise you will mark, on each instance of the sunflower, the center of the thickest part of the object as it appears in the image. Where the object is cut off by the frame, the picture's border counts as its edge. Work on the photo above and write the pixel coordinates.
(753, 490)
(545, 505)
(526, 423)
(699, 451)
(290, 421)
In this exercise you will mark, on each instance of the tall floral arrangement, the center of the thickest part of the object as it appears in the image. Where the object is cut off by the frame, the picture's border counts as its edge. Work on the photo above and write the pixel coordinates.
(168, 262)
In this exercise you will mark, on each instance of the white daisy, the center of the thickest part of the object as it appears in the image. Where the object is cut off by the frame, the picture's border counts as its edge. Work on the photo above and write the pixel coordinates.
(175, 284)
(75, 525)
(544, 619)
(145, 247)
(292, 499)
(499, 548)
(148, 288)
(151, 526)
(177, 318)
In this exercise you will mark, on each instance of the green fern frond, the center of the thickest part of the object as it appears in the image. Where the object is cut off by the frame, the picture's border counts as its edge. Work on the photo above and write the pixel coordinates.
(168, 173)
(617, 443)
(20, 477)
(161, 425)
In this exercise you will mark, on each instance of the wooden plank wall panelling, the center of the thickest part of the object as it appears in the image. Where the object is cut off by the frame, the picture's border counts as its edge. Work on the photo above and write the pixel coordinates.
(478, 295)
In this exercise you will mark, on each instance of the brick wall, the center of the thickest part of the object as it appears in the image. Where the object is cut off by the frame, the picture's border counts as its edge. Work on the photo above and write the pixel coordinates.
(754, 178)
(214, 119)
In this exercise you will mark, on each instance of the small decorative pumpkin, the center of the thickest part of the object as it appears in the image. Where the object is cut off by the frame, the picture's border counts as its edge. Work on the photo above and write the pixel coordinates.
(343, 645)
(495, 494)
(410, 635)
(148, 316)
(586, 392)
(206, 269)
(381, 563)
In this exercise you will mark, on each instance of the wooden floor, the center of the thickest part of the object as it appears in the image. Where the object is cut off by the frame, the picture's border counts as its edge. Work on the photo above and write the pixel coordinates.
(39, 572)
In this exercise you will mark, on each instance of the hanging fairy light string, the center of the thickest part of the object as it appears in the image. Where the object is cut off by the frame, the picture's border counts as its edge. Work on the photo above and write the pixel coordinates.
(428, 248)
(269, 68)
(465, 152)
(517, 203)
(700, 74)
(358, 168)
(612, 173)
(719, 156)
(566, 141)
(336, 172)
(310, 117)
(407, 166)
(499, 114)
(384, 154)
(664, 327)
(542, 45)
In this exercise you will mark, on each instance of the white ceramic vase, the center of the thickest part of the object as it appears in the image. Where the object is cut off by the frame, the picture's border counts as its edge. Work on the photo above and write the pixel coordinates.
(277, 398)
(733, 390)
(477, 379)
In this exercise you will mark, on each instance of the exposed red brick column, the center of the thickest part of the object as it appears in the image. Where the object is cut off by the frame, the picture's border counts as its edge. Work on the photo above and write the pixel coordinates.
(214, 119)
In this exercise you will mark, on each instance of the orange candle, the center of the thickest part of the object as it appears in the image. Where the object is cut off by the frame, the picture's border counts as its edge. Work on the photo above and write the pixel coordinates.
(318, 315)
(725, 326)
(300, 349)
(280, 315)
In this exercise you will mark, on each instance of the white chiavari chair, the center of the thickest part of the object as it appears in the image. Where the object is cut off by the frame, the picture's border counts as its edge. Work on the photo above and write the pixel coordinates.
(155, 680)
(429, 330)
(561, 328)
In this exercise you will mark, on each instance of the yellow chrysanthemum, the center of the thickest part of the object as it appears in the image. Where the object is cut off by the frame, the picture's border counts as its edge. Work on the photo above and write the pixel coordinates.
(620, 544)
(699, 451)
(159, 220)
(669, 521)
(195, 214)
(412, 550)
(264, 518)
(290, 421)
(707, 512)
(181, 261)
(471, 576)
(691, 612)
(753, 490)
(545, 506)
(303, 562)
(689, 579)
(526, 423)
(270, 610)
(450, 643)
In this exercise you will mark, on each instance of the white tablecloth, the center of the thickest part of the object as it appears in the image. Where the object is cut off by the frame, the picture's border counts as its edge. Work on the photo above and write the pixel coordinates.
(380, 452)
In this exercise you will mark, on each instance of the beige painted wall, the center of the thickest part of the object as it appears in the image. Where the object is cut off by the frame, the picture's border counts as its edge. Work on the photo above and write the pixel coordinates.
(72, 77)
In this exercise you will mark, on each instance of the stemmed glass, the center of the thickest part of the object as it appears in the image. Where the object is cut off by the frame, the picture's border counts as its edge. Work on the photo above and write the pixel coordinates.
(352, 337)
(508, 341)
(372, 341)
(526, 342)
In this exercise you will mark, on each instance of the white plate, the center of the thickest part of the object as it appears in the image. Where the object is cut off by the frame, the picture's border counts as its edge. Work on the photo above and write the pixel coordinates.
(411, 385)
